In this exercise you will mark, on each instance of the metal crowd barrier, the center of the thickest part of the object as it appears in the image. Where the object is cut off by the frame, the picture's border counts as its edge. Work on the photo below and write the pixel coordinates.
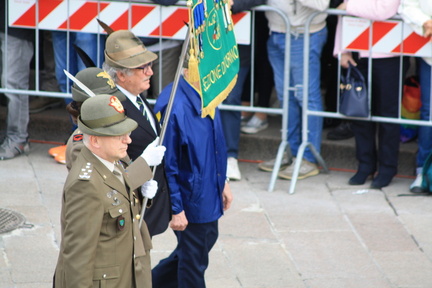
(162, 20)
(251, 108)
(283, 111)
(306, 112)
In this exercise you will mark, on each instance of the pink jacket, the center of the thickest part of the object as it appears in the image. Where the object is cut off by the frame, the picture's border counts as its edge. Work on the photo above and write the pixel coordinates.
(377, 10)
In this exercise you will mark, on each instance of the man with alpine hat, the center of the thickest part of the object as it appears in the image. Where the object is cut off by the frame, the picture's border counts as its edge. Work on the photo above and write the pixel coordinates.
(129, 64)
(99, 82)
(101, 242)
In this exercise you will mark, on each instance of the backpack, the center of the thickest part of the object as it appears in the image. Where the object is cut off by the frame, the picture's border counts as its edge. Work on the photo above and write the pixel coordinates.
(427, 175)
(410, 108)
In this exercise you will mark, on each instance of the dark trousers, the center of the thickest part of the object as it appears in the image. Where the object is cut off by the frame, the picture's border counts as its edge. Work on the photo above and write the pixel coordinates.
(377, 143)
(186, 265)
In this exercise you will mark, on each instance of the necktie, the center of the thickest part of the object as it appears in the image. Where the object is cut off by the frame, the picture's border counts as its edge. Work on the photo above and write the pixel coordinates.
(141, 107)
(117, 172)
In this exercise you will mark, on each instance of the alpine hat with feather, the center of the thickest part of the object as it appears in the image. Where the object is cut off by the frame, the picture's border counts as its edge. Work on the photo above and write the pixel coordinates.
(125, 50)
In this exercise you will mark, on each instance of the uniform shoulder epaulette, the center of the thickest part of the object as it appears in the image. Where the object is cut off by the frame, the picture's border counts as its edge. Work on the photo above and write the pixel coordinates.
(86, 172)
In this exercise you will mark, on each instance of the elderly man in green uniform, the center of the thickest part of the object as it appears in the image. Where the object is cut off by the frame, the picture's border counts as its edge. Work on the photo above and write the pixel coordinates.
(102, 245)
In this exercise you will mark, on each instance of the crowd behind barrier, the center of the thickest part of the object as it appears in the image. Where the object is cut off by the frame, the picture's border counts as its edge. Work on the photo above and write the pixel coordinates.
(337, 114)
(283, 111)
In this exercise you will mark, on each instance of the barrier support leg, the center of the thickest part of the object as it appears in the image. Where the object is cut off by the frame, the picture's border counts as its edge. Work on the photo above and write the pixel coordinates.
(283, 146)
(300, 153)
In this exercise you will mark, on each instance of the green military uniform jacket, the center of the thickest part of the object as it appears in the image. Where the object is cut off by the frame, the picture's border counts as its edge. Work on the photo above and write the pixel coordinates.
(101, 245)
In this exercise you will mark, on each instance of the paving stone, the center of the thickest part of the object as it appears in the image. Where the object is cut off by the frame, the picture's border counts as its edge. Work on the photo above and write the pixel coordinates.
(405, 268)
(261, 264)
(382, 232)
(357, 282)
(330, 254)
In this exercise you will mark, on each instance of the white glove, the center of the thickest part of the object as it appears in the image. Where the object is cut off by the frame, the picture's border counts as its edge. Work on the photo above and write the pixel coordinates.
(154, 154)
(149, 189)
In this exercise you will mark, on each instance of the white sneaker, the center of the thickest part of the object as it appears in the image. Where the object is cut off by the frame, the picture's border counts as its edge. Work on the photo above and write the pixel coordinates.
(233, 172)
(254, 125)
(245, 120)
(416, 186)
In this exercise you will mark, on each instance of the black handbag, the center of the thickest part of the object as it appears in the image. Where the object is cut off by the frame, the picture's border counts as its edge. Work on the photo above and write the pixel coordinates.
(353, 94)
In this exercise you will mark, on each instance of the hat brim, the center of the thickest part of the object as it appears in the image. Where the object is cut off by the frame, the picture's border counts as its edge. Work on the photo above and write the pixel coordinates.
(118, 129)
(131, 62)
(79, 96)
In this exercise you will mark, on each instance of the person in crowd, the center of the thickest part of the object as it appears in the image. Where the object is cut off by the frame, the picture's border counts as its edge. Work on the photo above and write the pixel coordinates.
(418, 13)
(196, 167)
(231, 120)
(87, 42)
(47, 80)
(298, 13)
(17, 50)
(129, 64)
(101, 242)
(376, 156)
(254, 122)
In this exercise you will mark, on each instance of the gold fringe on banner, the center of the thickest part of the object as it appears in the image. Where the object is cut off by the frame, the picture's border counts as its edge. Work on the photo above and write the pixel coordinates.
(193, 72)
(210, 109)
(193, 67)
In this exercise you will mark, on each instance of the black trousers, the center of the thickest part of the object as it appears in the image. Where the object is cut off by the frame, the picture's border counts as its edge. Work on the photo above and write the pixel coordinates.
(377, 143)
(186, 265)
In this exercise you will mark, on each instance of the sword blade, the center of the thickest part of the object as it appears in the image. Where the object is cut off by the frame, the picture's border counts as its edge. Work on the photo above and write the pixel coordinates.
(79, 84)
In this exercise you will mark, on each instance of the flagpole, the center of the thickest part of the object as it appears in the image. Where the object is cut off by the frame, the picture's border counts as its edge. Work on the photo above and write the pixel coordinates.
(168, 110)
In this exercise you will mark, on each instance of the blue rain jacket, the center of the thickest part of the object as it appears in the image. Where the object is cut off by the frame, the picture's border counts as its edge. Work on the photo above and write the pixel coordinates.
(195, 157)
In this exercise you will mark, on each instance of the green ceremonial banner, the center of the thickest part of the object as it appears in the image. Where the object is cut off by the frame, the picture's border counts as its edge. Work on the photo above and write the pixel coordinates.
(213, 55)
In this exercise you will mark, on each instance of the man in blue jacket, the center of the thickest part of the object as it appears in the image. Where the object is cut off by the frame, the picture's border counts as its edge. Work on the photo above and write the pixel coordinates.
(196, 172)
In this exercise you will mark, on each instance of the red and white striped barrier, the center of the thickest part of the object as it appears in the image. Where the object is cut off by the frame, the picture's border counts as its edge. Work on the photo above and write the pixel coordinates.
(145, 20)
(390, 36)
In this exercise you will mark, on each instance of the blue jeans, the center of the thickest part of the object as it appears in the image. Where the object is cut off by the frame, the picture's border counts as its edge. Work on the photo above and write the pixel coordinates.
(231, 120)
(85, 41)
(276, 54)
(425, 132)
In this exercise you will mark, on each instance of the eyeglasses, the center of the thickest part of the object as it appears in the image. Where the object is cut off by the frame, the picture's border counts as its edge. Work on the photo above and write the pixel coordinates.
(145, 67)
